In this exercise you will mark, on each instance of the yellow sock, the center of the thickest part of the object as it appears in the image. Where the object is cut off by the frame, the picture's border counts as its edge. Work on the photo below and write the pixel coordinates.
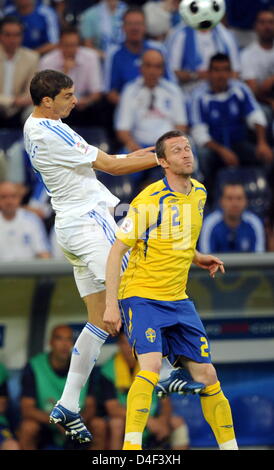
(217, 413)
(138, 407)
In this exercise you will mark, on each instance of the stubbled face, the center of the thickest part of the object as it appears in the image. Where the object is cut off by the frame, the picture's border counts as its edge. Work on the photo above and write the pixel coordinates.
(62, 104)
(265, 26)
(11, 37)
(61, 343)
(134, 27)
(179, 157)
(233, 201)
(152, 68)
(69, 44)
(219, 74)
(10, 199)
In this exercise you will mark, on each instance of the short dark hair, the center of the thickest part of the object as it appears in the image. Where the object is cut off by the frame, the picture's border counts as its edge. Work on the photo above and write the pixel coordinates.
(69, 30)
(234, 182)
(48, 83)
(133, 9)
(10, 20)
(262, 12)
(219, 57)
(160, 144)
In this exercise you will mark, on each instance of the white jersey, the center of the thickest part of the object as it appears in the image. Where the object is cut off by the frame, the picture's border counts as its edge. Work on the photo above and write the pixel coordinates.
(23, 237)
(63, 159)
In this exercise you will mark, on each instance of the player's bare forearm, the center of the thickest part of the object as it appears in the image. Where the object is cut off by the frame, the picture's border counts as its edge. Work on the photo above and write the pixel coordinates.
(112, 317)
(209, 262)
(142, 159)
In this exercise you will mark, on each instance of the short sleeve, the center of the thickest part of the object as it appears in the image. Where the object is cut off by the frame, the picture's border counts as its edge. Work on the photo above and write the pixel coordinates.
(61, 146)
(141, 215)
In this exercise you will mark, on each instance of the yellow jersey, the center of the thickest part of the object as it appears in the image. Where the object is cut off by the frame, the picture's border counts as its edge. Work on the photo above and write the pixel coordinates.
(162, 227)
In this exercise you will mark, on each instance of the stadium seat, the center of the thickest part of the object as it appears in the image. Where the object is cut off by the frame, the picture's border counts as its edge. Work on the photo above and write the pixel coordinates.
(255, 183)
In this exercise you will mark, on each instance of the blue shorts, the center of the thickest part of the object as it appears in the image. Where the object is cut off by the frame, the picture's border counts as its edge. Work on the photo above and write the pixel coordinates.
(170, 327)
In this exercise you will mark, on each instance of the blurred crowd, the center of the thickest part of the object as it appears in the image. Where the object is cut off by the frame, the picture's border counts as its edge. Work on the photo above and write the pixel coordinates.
(139, 72)
(24, 414)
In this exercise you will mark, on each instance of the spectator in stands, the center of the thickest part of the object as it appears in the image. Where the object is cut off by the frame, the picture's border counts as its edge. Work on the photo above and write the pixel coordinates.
(258, 59)
(222, 109)
(189, 52)
(241, 18)
(232, 228)
(22, 233)
(17, 66)
(82, 64)
(41, 28)
(101, 25)
(116, 378)
(122, 63)
(149, 106)
(43, 381)
(7, 440)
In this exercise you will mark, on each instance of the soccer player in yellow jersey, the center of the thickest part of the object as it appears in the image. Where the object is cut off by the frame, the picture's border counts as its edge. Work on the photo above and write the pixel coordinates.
(161, 229)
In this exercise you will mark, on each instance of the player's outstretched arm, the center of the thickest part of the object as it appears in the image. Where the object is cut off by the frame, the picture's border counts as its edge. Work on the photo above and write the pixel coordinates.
(141, 159)
(112, 317)
(209, 262)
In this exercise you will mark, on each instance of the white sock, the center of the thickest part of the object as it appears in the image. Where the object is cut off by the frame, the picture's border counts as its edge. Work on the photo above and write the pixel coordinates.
(84, 355)
(134, 438)
(166, 369)
(229, 445)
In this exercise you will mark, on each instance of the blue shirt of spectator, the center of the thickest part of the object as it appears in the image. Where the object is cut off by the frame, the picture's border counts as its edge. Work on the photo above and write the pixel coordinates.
(224, 116)
(40, 26)
(218, 237)
(122, 65)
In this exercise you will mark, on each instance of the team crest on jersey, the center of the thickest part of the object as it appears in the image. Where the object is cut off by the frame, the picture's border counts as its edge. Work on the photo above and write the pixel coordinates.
(201, 206)
(150, 335)
(83, 148)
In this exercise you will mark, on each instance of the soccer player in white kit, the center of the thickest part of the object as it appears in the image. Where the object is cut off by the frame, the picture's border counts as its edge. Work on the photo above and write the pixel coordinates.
(84, 226)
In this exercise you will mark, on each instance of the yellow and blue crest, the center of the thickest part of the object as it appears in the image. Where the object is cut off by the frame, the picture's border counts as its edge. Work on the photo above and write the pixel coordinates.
(150, 335)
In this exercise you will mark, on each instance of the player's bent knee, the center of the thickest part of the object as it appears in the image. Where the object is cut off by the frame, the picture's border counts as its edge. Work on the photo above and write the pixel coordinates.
(151, 362)
(205, 374)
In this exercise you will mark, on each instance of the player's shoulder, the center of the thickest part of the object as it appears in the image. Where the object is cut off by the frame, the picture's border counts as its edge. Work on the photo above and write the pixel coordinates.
(198, 186)
(150, 194)
(34, 129)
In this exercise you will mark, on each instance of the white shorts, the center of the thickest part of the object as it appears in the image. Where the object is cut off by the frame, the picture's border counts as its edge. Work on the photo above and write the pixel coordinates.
(86, 241)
